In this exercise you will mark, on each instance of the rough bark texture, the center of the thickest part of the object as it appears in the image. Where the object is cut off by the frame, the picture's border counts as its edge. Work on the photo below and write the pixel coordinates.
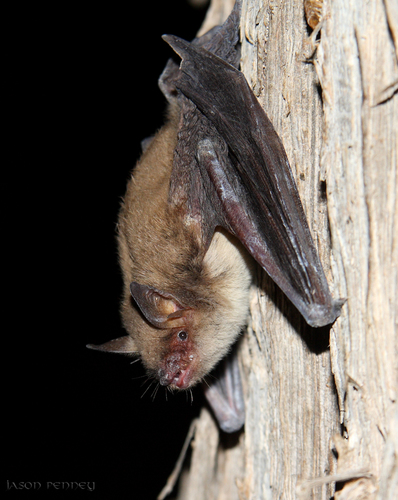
(320, 404)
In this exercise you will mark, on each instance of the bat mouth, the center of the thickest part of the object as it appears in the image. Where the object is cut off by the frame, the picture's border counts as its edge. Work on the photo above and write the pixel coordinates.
(176, 370)
(183, 379)
(180, 379)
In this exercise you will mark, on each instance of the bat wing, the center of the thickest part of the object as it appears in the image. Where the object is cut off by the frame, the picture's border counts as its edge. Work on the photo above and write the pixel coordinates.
(225, 395)
(239, 176)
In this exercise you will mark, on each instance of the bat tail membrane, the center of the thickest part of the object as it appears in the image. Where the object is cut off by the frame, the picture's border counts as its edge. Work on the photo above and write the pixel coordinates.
(253, 180)
(223, 40)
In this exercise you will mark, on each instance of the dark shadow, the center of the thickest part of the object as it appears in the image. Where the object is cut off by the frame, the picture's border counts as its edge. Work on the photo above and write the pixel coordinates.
(84, 95)
(230, 440)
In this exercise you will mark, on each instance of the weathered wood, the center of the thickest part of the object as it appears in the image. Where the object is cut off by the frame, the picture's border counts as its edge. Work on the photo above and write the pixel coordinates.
(313, 414)
(357, 67)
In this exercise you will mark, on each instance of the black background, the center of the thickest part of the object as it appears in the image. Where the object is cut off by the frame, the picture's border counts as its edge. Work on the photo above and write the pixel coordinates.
(83, 94)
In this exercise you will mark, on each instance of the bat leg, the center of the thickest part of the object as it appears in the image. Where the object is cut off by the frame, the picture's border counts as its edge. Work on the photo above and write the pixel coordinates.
(225, 395)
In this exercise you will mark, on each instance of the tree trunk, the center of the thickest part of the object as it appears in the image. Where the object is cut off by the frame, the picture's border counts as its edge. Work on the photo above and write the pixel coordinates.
(320, 404)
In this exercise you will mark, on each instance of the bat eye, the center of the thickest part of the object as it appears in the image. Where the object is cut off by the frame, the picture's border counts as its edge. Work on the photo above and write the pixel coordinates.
(182, 335)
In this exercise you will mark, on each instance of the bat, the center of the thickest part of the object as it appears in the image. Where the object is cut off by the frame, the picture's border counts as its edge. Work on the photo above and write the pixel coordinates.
(212, 193)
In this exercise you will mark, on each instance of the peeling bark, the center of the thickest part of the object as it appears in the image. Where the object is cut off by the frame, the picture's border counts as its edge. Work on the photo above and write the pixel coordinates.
(320, 404)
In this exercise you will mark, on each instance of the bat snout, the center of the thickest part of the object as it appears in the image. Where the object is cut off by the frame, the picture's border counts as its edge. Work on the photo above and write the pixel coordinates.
(176, 371)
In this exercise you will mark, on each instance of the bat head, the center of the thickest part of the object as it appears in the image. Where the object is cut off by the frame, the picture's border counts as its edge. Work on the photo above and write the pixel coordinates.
(178, 343)
(165, 336)
(181, 336)
(183, 329)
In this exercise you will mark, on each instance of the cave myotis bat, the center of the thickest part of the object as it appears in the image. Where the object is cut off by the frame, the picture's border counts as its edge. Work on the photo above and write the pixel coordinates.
(212, 191)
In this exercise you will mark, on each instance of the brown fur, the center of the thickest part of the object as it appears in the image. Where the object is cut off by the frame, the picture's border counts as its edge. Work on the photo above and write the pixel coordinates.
(158, 248)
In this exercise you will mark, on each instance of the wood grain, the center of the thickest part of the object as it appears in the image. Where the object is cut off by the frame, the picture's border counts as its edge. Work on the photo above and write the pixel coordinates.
(317, 414)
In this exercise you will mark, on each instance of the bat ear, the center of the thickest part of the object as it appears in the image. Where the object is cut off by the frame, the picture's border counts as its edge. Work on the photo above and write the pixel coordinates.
(121, 345)
(160, 309)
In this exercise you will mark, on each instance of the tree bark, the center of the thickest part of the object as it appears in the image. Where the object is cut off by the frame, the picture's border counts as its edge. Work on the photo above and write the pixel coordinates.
(320, 404)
